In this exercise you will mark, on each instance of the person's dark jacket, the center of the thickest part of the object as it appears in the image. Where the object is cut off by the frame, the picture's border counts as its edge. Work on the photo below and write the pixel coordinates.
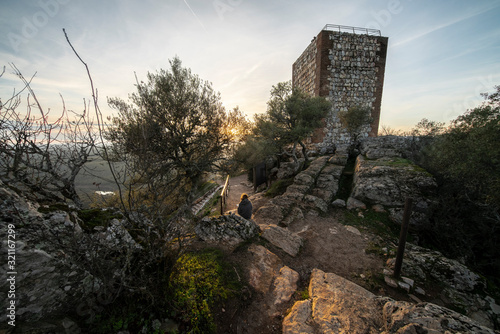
(245, 208)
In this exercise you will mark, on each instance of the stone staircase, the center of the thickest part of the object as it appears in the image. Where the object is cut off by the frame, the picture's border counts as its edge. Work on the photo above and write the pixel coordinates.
(312, 191)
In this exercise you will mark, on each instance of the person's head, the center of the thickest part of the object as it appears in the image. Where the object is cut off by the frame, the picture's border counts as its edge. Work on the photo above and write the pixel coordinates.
(243, 196)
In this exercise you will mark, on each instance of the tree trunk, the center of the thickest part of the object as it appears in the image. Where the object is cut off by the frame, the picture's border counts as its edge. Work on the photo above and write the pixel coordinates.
(304, 150)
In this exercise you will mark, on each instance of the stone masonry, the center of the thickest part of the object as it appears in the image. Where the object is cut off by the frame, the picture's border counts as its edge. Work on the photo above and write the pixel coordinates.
(345, 65)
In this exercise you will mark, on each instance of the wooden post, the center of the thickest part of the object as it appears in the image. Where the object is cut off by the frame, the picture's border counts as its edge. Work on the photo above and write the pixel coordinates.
(254, 169)
(402, 237)
(224, 194)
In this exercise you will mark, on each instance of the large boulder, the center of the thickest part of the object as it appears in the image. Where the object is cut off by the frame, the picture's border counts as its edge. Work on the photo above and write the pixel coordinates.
(285, 285)
(298, 321)
(341, 305)
(270, 277)
(263, 269)
(280, 237)
(229, 230)
(336, 305)
(268, 214)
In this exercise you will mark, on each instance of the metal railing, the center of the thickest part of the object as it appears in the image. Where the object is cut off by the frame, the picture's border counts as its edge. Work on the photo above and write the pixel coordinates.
(354, 30)
(223, 195)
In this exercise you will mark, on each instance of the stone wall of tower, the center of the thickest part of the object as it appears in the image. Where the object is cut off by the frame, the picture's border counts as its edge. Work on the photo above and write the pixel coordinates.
(304, 69)
(348, 69)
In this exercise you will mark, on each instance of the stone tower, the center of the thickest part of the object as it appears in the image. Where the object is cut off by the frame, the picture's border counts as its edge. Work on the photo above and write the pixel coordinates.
(346, 65)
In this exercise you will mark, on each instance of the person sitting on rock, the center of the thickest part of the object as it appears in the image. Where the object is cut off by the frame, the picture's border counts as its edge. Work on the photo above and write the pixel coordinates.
(245, 207)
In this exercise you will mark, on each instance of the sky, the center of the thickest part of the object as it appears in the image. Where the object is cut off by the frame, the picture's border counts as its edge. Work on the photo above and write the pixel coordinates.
(441, 54)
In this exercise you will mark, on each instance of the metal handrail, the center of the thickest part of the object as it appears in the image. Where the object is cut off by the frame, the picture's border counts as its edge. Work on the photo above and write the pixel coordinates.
(223, 195)
(354, 30)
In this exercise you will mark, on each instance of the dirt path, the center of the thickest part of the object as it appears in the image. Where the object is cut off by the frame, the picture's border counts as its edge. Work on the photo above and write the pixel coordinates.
(237, 186)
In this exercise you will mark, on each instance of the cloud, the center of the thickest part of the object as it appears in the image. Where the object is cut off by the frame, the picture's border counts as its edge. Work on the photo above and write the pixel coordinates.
(448, 22)
(437, 50)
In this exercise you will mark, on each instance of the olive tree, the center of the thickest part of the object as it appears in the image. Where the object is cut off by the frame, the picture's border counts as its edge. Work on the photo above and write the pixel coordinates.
(291, 117)
(171, 132)
(354, 119)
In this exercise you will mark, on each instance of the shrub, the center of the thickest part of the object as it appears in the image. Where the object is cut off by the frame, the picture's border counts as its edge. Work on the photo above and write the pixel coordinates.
(198, 281)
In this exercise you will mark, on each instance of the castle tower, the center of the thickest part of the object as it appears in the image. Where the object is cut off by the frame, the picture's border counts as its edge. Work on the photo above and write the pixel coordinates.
(347, 65)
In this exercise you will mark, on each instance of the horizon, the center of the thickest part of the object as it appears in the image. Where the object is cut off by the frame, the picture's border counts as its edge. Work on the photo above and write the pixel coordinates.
(441, 56)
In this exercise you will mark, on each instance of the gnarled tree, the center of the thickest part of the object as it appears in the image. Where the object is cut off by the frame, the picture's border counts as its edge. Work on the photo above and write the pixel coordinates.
(291, 117)
(173, 131)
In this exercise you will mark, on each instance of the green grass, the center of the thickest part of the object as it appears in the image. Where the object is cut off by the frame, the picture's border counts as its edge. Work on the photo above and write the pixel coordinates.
(375, 222)
(200, 280)
(212, 208)
(403, 163)
(303, 294)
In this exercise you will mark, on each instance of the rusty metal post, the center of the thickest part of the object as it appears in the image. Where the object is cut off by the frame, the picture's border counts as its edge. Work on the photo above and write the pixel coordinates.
(402, 237)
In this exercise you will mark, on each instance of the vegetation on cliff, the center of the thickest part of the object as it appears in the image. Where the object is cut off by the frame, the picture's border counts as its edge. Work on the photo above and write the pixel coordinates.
(465, 159)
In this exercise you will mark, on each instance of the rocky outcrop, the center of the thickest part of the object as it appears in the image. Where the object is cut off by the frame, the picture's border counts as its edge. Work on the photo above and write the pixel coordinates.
(47, 275)
(313, 189)
(336, 305)
(229, 230)
(388, 181)
(405, 318)
(461, 288)
(385, 146)
(384, 178)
